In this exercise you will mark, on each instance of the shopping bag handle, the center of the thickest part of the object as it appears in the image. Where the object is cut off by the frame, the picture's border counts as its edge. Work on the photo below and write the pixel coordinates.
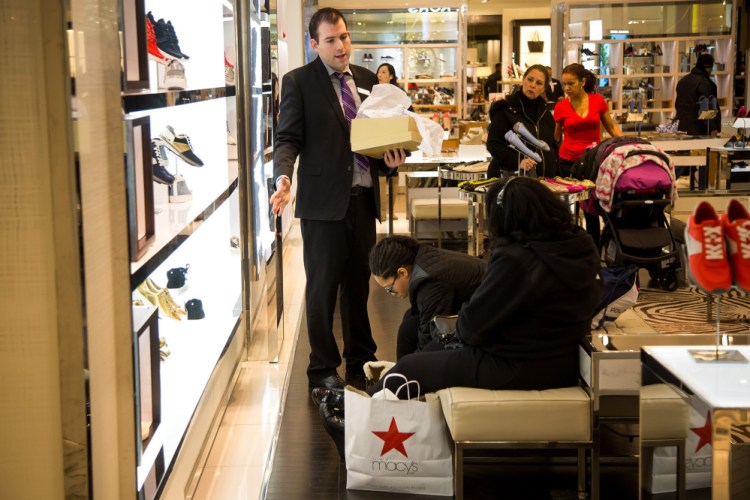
(405, 384)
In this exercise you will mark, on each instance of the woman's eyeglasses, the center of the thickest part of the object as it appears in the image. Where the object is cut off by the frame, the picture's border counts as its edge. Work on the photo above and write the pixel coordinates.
(389, 289)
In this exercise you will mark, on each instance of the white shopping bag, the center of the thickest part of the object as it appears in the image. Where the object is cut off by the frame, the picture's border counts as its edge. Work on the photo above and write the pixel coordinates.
(698, 455)
(397, 445)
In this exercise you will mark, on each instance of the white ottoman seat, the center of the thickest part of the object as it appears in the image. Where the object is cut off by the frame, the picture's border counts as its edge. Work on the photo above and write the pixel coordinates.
(553, 418)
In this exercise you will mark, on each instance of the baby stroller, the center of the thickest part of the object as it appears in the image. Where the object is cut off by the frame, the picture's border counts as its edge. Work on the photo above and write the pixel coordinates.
(634, 188)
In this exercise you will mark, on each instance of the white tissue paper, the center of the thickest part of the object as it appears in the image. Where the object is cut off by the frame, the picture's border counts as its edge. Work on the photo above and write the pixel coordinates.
(389, 101)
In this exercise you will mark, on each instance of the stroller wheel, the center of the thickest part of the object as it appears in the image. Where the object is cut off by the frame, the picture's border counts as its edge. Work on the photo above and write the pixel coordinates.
(668, 280)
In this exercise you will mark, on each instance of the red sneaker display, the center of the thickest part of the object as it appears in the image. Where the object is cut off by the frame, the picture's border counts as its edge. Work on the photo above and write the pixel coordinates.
(736, 222)
(153, 50)
(708, 265)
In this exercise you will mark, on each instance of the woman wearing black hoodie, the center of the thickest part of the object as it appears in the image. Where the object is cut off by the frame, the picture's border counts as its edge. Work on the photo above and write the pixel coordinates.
(528, 107)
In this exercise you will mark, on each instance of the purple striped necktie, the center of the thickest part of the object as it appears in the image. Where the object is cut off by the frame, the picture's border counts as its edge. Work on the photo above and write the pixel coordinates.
(350, 112)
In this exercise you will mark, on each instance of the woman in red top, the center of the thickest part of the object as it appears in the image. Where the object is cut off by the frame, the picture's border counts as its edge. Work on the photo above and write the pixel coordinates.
(578, 118)
(578, 121)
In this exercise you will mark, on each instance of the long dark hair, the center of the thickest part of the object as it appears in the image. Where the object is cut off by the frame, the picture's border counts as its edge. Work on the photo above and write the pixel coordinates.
(391, 253)
(391, 71)
(522, 209)
(582, 73)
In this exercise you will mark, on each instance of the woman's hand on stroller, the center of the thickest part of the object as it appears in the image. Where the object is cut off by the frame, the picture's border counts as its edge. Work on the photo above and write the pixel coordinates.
(527, 164)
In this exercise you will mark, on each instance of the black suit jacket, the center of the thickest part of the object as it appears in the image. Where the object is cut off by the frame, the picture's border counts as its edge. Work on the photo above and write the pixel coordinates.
(312, 126)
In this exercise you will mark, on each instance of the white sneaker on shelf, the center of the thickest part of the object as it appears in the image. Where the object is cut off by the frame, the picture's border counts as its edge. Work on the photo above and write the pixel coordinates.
(174, 76)
(230, 140)
(229, 77)
(179, 192)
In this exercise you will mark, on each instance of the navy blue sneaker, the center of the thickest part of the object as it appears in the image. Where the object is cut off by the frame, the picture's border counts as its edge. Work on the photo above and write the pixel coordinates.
(166, 38)
(702, 104)
(159, 162)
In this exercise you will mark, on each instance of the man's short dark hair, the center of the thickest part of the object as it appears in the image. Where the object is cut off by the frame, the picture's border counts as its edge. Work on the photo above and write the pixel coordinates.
(498, 66)
(327, 15)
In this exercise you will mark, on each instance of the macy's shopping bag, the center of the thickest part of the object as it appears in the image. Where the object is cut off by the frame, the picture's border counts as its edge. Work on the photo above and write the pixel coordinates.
(397, 445)
(698, 455)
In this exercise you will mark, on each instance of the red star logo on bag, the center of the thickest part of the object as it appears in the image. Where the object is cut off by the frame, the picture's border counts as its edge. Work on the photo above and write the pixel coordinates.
(393, 439)
(704, 433)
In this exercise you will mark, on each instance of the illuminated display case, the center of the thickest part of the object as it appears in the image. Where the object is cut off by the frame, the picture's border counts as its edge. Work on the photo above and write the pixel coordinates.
(639, 51)
(186, 281)
(423, 45)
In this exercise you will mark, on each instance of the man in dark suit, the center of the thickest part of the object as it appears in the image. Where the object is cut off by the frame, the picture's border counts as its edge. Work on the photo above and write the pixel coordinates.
(338, 196)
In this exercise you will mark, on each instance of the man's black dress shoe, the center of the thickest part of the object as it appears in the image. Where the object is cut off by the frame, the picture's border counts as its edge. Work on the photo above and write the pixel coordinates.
(329, 382)
(333, 422)
(322, 395)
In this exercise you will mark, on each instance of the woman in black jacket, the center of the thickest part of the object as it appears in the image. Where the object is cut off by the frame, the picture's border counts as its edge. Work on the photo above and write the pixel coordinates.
(528, 107)
(435, 281)
(522, 326)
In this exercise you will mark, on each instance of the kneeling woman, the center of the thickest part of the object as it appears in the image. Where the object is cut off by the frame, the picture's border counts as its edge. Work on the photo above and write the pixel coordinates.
(522, 326)
(436, 281)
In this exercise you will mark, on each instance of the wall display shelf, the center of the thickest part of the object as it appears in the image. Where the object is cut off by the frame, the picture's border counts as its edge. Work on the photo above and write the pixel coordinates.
(648, 70)
(427, 72)
(186, 270)
(639, 52)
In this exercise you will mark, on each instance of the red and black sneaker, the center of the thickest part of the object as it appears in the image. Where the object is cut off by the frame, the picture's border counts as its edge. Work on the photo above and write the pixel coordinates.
(736, 222)
(153, 49)
(708, 265)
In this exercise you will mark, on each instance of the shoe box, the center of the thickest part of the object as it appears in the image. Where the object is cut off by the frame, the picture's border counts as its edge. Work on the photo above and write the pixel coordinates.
(465, 125)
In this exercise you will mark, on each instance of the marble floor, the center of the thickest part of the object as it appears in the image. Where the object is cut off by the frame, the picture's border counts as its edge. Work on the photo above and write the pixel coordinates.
(243, 446)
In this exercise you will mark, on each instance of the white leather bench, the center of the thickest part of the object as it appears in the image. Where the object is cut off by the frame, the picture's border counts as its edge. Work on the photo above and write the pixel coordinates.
(453, 214)
(509, 419)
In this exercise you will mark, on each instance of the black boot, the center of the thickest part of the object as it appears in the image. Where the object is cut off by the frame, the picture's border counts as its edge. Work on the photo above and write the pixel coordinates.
(333, 422)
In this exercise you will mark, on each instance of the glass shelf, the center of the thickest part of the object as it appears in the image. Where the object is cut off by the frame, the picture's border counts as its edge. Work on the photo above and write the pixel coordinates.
(175, 223)
(134, 102)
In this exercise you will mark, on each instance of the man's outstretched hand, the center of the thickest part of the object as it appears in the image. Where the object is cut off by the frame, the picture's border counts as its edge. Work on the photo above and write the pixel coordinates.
(280, 199)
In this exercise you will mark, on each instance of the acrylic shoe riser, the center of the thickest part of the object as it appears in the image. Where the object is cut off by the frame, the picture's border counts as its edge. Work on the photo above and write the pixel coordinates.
(718, 355)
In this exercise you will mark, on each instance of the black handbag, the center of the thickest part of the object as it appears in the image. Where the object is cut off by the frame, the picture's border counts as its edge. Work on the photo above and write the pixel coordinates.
(535, 44)
(443, 330)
